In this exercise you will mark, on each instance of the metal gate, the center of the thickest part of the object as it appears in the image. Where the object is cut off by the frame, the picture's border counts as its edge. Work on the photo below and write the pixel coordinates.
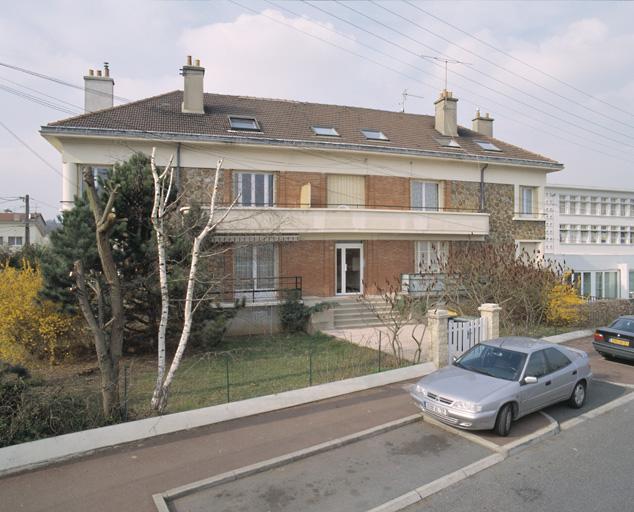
(463, 335)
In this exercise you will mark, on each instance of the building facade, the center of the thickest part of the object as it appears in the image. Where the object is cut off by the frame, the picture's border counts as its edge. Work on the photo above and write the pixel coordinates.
(591, 231)
(13, 229)
(340, 199)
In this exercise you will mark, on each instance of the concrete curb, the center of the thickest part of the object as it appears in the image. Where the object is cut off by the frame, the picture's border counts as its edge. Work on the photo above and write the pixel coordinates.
(568, 424)
(26, 456)
(569, 336)
(160, 500)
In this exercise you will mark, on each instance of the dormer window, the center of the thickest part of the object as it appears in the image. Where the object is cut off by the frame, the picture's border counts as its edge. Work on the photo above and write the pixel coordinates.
(448, 143)
(244, 123)
(374, 135)
(325, 131)
(487, 146)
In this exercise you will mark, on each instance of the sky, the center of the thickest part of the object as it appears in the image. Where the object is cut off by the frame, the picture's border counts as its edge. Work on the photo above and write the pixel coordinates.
(557, 77)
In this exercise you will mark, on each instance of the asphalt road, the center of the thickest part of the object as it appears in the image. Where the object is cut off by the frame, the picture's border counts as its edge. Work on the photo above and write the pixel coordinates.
(355, 477)
(585, 469)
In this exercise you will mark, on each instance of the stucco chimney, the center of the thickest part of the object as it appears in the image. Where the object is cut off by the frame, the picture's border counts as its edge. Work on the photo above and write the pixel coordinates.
(98, 90)
(193, 94)
(483, 125)
(447, 114)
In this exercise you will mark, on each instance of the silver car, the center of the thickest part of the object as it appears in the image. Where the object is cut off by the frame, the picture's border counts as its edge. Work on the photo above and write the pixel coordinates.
(501, 380)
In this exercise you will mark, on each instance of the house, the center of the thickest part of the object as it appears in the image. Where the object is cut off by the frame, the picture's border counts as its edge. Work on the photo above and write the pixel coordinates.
(332, 200)
(591, 231)
(12, 229)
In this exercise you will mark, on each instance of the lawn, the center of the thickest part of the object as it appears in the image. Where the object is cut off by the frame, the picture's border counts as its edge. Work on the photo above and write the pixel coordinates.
(239, 368)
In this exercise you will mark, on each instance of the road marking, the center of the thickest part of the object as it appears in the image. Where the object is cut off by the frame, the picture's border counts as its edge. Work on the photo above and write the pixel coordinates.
(597, 412)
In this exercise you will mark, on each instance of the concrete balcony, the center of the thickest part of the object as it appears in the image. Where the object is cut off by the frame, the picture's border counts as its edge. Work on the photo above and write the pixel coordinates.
(356, 223)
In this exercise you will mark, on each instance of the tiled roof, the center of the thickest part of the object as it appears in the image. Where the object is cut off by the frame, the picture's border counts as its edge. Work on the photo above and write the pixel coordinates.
(291, 121)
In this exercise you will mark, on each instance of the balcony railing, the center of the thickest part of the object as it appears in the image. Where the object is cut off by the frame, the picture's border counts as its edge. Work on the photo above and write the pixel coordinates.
(261, 289)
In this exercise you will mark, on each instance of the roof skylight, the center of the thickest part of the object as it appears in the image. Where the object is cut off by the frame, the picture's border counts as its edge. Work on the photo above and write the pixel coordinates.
(374, 134)
(244, 123)
(326, 131)
(448, 143)
(487, 146)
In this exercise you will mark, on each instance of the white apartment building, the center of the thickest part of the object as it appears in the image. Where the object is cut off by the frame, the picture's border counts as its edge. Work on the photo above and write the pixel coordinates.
(591, 231)
(12, 229)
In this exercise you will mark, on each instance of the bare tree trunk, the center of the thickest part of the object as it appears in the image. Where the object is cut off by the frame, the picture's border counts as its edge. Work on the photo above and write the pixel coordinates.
(161, 199)
(159, 400)
(108, 336)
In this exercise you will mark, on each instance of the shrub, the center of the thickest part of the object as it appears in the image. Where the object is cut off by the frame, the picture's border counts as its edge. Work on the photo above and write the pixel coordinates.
(563, 305)
(29, 326)
(294, 314)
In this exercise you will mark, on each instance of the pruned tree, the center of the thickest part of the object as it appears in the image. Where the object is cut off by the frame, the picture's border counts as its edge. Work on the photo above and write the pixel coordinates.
(163, 203)
(394, 310)
(107, 332)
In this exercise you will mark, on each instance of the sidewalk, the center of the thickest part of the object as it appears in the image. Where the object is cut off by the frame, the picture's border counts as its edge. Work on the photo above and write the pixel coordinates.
(125, 478)
(369, 337)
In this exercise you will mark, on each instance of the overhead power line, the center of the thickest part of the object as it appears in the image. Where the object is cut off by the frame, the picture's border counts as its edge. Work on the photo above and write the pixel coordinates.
(60, 81)
(35, 99)
(31, 150)
(509, 71)
(72, 105)
(456, 73)
(516, 59)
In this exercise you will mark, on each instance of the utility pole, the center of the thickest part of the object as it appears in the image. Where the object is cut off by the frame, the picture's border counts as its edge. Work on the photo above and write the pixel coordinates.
(27, 221)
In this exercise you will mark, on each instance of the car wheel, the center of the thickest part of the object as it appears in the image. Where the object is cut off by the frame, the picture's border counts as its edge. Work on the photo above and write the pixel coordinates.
(578, 397)
(503, 421)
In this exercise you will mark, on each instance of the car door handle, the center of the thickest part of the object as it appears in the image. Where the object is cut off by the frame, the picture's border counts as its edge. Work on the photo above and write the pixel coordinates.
(548, 383)
(575, 372)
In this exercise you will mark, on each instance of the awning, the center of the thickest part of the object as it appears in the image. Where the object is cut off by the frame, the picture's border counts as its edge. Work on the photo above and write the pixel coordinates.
(245, 239)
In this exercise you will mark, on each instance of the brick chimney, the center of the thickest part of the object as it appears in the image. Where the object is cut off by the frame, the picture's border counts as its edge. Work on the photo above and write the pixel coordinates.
(193, 92)
(447, 114)
(483, 125)
(98, 89)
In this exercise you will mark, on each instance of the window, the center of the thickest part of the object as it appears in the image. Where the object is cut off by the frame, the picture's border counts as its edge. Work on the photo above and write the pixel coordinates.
(254, 269)
(584, 206)
(605, 206)
(424, 195)
(631, 286)
(528, 200)
(487, 146)
(594, 234)
(563, 204)
(595, 206)
(623, 324)
(586, 284)
(556, 359)
(611, 281)
(563, 233)
(616, 210)
(537, 366)
(605, 235)
(374, 135)
(244, 123)
(447, 143)
(15, 240)
(624, 205)
(430, 255)
(346, 191)
(573, 205)
(325, 131)
(584, 234)
(1, 240)
(254, 189)
(598, 285)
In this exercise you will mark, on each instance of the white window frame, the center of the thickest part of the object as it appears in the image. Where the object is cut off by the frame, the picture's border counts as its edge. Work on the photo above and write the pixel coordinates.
(269, 202)
(433, 252)
(424, 184)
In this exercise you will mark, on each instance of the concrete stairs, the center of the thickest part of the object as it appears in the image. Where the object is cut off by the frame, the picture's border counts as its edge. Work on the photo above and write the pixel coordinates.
(351, 314)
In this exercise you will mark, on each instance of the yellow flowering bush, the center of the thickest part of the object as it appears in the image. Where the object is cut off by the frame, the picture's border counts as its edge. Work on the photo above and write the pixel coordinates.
(563, 305)
(29, 326)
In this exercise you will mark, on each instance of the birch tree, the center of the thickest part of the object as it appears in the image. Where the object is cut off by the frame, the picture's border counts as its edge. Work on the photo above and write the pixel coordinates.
(162, 189)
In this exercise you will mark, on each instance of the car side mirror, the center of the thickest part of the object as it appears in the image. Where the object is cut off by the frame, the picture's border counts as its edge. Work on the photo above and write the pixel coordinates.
(453, 359)
(529, 379)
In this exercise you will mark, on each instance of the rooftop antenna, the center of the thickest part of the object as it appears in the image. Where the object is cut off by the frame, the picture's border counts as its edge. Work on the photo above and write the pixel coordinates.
(447, 62)
(406, 95)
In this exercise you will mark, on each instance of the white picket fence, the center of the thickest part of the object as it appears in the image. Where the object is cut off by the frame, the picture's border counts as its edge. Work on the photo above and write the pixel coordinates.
(461, 336)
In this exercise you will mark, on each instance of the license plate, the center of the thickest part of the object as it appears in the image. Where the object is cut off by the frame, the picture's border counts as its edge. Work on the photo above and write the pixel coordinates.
(435, 408)
(617, 341)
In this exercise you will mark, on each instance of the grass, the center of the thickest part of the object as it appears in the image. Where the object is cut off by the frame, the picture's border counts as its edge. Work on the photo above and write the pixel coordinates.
(252, 366)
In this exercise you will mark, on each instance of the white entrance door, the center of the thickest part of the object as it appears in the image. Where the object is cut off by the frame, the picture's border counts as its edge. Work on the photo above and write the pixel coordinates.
(349, 268)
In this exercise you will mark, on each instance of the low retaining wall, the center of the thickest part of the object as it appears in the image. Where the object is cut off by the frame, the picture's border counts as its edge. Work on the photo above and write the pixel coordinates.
(30, 455)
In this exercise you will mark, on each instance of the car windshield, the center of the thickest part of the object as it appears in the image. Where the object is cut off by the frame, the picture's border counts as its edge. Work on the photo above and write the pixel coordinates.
(493, 361)
(623, 324)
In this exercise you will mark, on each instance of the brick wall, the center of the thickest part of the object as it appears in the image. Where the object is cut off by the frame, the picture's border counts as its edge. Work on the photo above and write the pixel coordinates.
(289, 186)
(314, 261)
(386, 260)
(387, 192)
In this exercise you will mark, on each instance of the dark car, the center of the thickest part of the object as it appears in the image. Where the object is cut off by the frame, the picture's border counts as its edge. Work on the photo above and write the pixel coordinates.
(616, 340)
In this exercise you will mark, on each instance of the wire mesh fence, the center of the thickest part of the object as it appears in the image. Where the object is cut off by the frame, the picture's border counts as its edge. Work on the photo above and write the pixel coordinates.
(213, 378)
